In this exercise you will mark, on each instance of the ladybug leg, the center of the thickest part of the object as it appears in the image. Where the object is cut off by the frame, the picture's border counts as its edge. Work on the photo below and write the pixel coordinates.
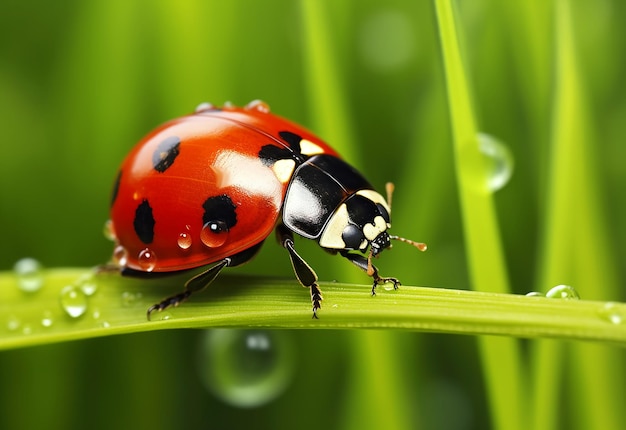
(195, 284)
(365, 264)
(305, 273)
(202, 280)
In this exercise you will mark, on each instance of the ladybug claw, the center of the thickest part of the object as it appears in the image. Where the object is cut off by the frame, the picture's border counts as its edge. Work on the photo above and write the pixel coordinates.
(170, 301)
(316, 299)
(379, 281)
(152, 309)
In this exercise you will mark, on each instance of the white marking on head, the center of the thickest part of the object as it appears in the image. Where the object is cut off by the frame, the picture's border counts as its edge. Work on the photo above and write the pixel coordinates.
(372, 230)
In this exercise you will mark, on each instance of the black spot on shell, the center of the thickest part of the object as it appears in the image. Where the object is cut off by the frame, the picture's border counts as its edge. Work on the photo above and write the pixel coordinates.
(220, 209)
(165, 154)
(292, 139)
(144, 222)
(116, 187)
(270, 154)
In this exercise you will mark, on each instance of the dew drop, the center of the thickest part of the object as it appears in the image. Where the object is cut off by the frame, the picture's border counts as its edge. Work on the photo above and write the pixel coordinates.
(129, 299)
(214, 234)
(73, 301)
(562, 292)
(204, 107)
(184, 240)
(27, 329)
(109, 230)
(162, 316)
(499, 161)
(120, 255)
(29, 275)
(613, 312)
(87, 284)
(534, 294)
(259, 106)
(13, 323)
(246, 368)
(46, 320)
(147, 260)
(105, 324)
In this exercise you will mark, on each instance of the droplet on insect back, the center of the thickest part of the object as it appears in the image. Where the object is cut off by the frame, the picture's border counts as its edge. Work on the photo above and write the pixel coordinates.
(498, 161)
(204, 106)
(213, 234)
(147, 260)
(29, 275)
(120, 255)
(259, 106)
(184, 240)
(246, 368)
(109, 230)
(562, 292)
(73, 301)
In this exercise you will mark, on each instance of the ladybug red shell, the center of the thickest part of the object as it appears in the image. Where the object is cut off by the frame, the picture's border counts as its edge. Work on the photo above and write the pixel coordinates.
(208, 188)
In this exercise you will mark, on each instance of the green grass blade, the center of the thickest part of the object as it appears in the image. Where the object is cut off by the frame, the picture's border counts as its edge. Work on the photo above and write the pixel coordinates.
(119, 305)
(326, 97)
(486, 263)
(575, 213)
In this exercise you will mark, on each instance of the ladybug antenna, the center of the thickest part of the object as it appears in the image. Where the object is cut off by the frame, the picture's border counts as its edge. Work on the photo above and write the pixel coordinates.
(419, 245)
(389, 187)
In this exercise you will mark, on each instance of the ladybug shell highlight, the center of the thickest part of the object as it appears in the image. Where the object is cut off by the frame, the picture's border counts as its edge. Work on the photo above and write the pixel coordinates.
(205, 186)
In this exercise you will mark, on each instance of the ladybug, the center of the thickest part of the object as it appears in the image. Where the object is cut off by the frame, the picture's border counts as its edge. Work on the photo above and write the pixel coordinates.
(208, 188)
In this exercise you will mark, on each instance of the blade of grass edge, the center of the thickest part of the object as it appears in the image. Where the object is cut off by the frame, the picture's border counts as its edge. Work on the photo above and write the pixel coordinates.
(501, 358)
(574, 210)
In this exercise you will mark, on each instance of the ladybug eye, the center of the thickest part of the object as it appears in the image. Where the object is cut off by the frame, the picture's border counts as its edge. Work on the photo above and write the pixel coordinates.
(352, 236)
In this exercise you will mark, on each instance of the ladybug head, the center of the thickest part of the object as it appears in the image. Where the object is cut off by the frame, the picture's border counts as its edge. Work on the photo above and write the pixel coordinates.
(361, 221)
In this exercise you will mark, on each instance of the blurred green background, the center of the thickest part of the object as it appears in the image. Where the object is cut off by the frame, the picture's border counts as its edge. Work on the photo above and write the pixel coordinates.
(81, 82)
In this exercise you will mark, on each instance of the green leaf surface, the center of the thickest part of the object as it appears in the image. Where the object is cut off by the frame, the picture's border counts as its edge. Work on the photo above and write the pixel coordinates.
(119, 305)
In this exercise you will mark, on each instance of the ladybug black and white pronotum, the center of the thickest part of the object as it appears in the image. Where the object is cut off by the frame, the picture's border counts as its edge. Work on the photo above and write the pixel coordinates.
(208, 188)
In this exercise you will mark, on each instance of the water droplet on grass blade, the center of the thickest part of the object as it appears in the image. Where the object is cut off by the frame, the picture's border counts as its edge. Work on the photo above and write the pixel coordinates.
(29, 275)
(13, 323)
(613, 313)
(246, 368)
(562, 292)
(498, 161)
(534, 294)
(73, 301)
(46, 320)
